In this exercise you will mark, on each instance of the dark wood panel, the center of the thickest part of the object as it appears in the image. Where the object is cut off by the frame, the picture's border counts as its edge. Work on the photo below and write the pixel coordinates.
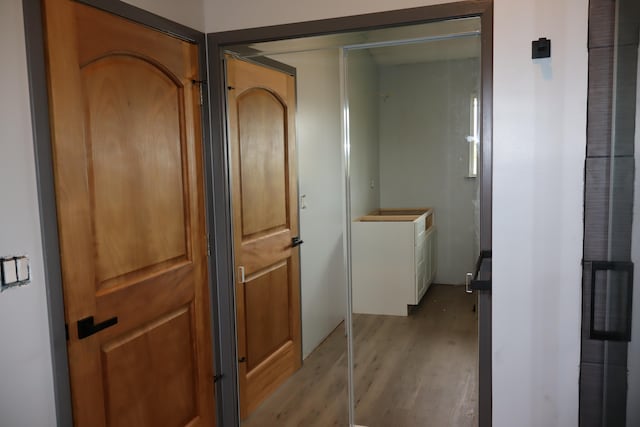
(622, 189)
(609, 185)
(628, 22)
(600, 102)
(596, 410)
(596, 215)
(601, 23)
(625, 99)
(605, 187)
(603, 94)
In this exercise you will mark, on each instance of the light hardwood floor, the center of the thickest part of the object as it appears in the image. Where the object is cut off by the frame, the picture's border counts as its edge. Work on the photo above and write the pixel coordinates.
(419, 370)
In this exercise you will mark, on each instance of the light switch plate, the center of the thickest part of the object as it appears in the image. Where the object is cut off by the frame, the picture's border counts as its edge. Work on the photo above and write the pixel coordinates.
(9, 273)
(22, 266)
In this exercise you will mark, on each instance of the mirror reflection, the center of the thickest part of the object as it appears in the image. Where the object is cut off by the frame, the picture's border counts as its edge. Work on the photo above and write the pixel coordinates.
(291, 292)
(414, 139)
(408, 147)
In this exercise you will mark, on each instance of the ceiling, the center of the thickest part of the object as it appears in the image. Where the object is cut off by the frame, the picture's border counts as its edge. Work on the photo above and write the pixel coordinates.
(436, 41)
(441, 50)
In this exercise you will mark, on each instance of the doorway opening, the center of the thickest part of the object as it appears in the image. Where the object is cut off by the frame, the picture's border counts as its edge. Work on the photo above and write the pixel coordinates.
(340, 165)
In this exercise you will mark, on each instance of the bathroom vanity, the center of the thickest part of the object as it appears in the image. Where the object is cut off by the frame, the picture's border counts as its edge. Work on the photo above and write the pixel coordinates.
(393, 259)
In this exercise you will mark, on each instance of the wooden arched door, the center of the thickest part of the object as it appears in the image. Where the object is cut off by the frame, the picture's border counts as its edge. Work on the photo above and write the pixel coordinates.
(261, 105)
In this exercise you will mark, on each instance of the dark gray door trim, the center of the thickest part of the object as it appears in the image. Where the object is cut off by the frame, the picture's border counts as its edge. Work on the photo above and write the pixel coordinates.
(217, 90)
(39, 99)
(37, 76)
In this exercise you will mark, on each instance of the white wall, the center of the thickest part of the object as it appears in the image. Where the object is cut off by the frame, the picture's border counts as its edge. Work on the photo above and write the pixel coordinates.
(321, 180)
(26, 379)
(185, 12)
(222, 15)
(424, 155)
(539, 137)
(362, 86)
(539, 148)
(362, 83)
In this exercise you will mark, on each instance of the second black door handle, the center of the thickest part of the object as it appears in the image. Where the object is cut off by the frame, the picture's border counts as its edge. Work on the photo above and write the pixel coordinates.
(296, 241)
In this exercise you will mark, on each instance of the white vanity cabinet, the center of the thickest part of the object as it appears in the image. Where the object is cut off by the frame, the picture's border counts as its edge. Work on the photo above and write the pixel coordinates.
(393, 260)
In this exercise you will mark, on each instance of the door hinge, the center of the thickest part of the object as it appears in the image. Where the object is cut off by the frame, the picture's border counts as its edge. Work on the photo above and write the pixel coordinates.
(200, 84)
(208, 246)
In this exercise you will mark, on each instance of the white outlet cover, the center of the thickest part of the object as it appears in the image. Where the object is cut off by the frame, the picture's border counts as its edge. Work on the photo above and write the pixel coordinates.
(9, 271)
(22, 264)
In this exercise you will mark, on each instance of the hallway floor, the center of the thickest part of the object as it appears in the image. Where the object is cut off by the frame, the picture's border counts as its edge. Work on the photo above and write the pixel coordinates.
(419, 370)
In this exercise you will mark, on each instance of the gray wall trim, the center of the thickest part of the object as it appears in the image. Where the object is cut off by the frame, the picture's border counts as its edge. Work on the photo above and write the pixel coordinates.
(228, 406)
(37, 75)
(254, 55)
(39, 99)
(486, 156)
(485, 364)
(208, 153)
(416, 15)
(224, 244)
(273, 64)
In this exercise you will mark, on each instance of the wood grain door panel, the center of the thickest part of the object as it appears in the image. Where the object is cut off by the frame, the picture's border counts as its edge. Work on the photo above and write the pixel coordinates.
(127, 149)
(155, 362)
(266, 301)
(263, 251)
(261, 109)
(135, 112)
(263, 161)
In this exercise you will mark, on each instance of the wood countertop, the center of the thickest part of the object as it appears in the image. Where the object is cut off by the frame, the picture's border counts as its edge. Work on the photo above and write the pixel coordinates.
(396, 215)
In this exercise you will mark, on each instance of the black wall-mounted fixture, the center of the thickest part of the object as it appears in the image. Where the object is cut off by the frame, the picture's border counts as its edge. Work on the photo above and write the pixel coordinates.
(541, 48)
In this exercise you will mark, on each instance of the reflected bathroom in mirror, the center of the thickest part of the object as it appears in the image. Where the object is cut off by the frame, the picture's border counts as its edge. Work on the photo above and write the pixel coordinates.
(413, 131)
(365, 146)
(292, 339)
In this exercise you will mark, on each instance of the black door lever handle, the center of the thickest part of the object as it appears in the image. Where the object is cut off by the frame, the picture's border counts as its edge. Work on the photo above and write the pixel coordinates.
(87, 327)
(296, 241)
